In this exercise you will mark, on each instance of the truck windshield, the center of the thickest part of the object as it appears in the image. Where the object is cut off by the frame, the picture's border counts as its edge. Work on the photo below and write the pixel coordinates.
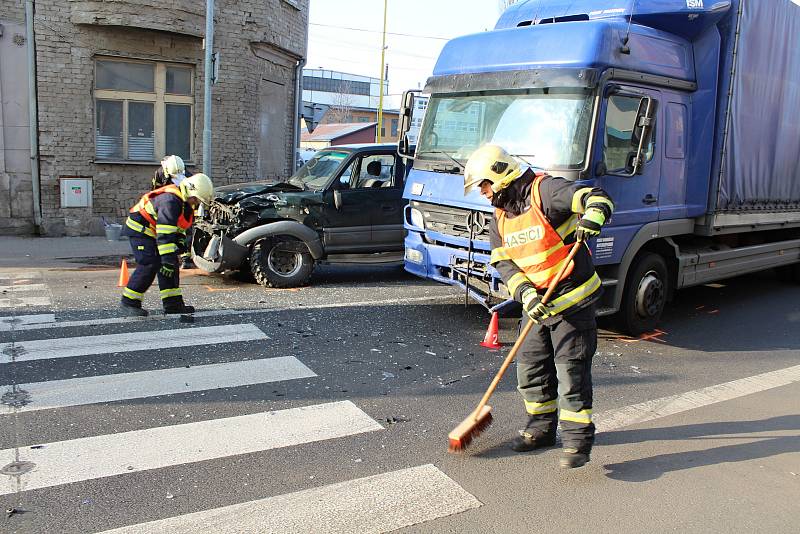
(317, 172)
(548, 128)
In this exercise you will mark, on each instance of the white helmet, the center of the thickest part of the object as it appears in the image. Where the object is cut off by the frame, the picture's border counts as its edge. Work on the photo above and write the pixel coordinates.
(493, 163)
(173, 166)
(198, 186)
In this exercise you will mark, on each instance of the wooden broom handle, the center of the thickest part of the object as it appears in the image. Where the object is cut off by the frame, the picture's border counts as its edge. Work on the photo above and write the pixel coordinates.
(513, 353)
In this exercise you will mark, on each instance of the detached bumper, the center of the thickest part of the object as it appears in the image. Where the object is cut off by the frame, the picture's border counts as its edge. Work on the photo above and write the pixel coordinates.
(218, 254)
(449, 266)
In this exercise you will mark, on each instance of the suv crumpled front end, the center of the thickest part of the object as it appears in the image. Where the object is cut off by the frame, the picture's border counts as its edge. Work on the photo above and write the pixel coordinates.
(221, 241)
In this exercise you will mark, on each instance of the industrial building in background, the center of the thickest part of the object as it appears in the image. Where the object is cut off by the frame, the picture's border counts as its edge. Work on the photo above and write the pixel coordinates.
(333, 97)
(118, 85)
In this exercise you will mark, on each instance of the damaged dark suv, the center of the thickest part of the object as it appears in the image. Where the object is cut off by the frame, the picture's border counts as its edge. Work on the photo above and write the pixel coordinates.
(344, 205)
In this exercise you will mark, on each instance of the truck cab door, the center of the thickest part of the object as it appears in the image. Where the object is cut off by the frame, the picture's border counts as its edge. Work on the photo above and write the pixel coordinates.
(633, 185)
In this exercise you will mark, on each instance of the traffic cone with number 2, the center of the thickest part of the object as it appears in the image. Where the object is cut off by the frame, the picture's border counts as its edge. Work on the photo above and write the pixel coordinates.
(123, 274)
(490, 340)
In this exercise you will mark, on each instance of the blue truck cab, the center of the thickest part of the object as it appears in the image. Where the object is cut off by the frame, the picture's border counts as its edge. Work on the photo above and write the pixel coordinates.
(684, 111)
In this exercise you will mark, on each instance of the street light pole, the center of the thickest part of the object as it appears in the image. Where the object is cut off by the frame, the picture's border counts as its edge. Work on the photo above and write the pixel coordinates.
(209, 73)
(383, 62)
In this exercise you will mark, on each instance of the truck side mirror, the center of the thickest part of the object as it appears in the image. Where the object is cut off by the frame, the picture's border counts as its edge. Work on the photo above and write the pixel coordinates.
(406, 114)
(337, 199)
(642, 130)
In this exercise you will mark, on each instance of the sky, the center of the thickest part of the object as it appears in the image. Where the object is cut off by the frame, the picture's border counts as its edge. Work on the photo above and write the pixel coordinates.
(345, 35)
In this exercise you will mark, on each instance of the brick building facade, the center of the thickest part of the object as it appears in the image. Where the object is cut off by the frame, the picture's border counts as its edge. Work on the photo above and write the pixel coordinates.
(120, 84)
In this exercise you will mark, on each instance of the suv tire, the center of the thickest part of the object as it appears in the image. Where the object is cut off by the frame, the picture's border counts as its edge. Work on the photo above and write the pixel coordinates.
(281, 262)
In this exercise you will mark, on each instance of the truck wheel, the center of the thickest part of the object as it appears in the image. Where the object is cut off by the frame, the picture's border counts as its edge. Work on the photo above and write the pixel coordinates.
(281, 262)
(645, 295)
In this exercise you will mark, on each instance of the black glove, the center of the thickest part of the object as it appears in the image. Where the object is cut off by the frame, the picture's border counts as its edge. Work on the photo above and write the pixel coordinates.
(183, 246)
(533, 305)
(590, 224)
(167, 270)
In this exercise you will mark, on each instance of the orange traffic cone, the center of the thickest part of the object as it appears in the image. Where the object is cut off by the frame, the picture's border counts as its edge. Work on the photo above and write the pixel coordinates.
(490, 340)
(123, 274)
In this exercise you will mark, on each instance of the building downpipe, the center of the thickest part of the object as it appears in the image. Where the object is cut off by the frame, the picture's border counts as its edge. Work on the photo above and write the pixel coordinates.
(208, 67)
(33, 115)
(298, 99)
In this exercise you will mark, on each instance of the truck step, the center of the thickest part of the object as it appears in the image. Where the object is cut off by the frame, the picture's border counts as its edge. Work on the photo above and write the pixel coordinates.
(381, 258)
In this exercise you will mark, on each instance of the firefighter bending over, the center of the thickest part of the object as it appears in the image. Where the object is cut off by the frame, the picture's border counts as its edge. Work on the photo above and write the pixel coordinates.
(157, 227)
(538, 218)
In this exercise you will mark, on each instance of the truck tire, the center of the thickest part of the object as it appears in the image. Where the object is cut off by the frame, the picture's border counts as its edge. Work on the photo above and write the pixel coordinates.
(645, 295)
(281, 262)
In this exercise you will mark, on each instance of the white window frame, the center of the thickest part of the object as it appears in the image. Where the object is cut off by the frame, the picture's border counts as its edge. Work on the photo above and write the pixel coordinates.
(160, 98)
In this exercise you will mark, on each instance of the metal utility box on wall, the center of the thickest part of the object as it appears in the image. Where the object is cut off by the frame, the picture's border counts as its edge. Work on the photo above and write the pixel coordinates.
(76, 192)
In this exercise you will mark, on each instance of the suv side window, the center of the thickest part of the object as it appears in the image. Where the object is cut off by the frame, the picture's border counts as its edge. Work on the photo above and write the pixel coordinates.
(376, 171)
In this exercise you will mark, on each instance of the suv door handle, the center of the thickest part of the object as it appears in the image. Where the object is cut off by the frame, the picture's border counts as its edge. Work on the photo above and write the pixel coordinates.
(387, 207)
(649, 199)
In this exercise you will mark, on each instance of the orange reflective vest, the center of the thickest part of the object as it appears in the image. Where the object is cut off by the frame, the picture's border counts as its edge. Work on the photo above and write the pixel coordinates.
(148, 212)
(531, 242)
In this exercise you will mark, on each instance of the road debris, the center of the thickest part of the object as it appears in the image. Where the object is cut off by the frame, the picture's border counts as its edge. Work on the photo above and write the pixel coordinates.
(395, 420)
(13, 511)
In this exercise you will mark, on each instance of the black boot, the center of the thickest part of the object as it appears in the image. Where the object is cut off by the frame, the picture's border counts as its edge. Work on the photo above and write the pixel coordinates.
(531, 439)
(572, 457)
(175, 305)
(132, 307)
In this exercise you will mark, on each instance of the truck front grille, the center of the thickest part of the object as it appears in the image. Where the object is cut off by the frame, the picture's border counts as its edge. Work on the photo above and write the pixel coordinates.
(453, 221)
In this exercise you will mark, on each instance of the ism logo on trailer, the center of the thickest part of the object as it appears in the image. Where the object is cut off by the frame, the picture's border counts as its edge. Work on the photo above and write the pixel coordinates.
(694, 4)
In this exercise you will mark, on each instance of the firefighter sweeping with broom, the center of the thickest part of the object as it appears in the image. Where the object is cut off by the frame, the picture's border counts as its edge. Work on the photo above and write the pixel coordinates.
(537, 237)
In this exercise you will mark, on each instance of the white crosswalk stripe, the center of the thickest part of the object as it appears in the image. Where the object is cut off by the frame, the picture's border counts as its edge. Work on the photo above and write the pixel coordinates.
(23, 288)
(16, 289)
(16, 322)
(380, 503)
(65, 462)
(15, 301)
(68, 347)
(124, 386)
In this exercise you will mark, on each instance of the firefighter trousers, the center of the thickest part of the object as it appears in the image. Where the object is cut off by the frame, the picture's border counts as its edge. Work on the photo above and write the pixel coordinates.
(148, 264)
(554, 376)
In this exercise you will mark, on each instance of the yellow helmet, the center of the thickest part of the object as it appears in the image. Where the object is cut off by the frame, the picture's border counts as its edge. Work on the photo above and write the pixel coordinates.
(173, 166)
(198, 186)
(493, 163)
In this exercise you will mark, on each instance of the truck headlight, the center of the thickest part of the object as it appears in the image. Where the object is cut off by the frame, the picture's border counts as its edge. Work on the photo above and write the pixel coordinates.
(414, 256)
(417, 219)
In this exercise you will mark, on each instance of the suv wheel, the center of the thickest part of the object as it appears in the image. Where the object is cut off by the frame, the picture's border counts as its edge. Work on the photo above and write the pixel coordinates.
(281, 262)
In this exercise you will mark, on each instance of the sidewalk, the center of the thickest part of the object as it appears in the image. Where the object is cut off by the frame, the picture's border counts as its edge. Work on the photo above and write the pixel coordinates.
(18, 252)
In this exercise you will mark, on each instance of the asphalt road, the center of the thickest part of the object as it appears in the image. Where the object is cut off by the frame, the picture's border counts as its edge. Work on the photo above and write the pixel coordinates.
(327, 408)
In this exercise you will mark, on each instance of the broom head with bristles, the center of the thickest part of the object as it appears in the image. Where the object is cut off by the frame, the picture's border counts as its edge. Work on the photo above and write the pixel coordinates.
(469, 429)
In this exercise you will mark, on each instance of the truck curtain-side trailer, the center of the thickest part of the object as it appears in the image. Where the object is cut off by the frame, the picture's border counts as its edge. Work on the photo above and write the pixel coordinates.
(684, 111)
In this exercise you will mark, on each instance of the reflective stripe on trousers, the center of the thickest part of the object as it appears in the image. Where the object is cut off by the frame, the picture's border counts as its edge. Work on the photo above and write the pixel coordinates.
(148, 265)
(554, 362)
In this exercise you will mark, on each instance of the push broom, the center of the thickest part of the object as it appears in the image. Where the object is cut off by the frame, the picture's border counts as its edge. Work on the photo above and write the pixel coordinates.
(480, 419)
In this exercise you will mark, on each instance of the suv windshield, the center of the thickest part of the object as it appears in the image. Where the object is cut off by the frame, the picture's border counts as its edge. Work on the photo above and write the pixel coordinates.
(548, 128)
(317, 172)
